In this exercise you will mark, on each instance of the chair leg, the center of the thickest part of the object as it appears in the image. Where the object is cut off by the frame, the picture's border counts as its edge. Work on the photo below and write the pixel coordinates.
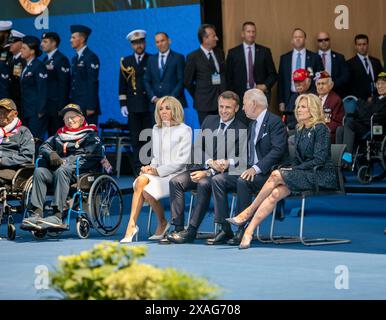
(280, 239)
(149, 221)
(119, 158)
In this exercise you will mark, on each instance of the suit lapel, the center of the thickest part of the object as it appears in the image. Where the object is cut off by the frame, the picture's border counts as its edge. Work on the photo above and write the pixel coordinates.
(263, 127)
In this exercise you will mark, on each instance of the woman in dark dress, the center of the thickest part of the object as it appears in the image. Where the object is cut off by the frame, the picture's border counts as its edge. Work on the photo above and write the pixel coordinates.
(312, 143)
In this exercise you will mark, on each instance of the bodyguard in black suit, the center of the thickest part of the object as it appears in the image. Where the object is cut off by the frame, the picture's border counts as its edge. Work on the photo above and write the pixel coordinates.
(363, 70)
(216, 150)
(16, 65)
(267, 146)
(84, 75)
(133, 99)
(298, 58)
(58, 85)
(205, 73)
(164, 74)
(33, 83)
(334, 63)
(241, 75)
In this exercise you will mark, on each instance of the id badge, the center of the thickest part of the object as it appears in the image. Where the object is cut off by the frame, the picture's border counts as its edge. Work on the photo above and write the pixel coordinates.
(3, 56)
(17, 70)
(216, 79)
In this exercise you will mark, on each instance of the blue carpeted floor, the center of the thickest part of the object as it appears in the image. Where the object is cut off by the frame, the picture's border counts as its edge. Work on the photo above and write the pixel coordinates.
(262, 272)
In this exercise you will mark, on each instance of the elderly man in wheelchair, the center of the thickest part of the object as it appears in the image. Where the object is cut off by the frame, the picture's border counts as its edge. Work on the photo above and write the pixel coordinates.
(17, 150)
(366, 126)
(76, 145)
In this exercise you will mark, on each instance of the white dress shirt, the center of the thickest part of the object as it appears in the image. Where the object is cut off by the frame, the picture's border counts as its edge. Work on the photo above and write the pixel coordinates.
(165, 54)
(246, 53)
(80, 51)
(294, 59)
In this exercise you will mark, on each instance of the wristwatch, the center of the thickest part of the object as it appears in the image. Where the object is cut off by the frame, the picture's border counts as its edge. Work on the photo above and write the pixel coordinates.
(208, 173)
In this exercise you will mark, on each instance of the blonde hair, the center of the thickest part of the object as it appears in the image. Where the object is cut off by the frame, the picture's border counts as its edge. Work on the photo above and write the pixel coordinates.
(315, 108)
(175, 106)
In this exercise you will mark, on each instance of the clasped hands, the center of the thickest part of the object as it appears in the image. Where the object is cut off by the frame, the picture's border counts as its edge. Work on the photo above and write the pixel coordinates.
(219, 165)
(149, 170)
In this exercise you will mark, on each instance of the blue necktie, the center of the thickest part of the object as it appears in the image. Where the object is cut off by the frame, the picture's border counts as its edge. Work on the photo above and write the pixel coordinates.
(251, 157)
(162, 65)
(299, 61)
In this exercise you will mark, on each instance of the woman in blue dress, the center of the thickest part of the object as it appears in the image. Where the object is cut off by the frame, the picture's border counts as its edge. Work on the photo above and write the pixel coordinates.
(312, 148)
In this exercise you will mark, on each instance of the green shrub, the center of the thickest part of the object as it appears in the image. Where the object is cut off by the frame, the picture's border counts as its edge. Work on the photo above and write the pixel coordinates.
(110, 271)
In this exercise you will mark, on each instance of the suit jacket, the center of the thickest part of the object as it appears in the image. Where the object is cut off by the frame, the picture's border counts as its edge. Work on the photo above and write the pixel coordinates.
(264, 70)
(198, 79)
(313, 61)
(33, 84)
(58, 85)
(339, 72)
(132, 92)
(271, 144)
(334, 111)
(172, 81)
(360, 84)
(85, 81)
(204, 150)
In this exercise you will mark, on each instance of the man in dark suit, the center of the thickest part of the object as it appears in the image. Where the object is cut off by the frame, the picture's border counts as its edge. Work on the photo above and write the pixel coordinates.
(164, 74)
(333, 62)
(298, 58)
(84, 75)
(133, 99)
(250, 65)
(16, 65)
(332, 104)
(363, 70)
(205, 73)
(58, 85)
(216, 150)
(267, 146)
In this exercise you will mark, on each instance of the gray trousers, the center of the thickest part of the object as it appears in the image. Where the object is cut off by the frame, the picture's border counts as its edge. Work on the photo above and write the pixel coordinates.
(61, 179)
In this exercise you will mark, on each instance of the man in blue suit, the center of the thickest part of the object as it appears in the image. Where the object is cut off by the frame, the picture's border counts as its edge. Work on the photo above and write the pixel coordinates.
(267, 146)
(334, 63)
(84, 75)
(164, 75)
(298, 58)
(58, 85)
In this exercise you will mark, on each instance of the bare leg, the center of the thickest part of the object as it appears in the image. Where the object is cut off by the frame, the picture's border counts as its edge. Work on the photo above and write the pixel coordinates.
(274, 180)
(263, 211)
(159, 211)
(136, 203)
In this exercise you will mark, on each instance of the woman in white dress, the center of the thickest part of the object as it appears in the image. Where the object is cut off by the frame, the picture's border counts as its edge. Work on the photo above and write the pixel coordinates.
(171, 148)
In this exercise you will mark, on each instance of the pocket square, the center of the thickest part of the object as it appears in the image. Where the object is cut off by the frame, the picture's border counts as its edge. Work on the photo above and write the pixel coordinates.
(264, 134)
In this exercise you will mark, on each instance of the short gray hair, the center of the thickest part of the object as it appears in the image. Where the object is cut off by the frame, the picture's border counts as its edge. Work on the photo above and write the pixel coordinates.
(258, 96)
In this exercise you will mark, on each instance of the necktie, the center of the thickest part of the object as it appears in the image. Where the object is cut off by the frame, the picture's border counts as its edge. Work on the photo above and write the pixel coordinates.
(139, 59)
(251, 151)
(324, 60)
(299, 61)
(162, 65)
(251, 81)
(25, 69)
(211, 62)
(367, 66)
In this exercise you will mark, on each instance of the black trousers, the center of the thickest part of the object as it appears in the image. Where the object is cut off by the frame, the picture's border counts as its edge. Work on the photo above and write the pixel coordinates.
(178, 186)
(224, 183)
(139, 121)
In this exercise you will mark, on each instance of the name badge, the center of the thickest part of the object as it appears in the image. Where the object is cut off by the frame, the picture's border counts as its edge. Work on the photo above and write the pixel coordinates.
(17, 69)
(216, 79)
(3, 56)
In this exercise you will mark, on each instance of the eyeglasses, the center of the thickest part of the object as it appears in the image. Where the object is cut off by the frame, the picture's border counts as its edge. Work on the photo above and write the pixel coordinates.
(73, 118)
(326, 40)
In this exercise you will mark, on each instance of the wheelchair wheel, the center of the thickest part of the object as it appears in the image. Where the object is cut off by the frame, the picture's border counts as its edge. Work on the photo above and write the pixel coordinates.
(105, 205)
(83, 228)
(11, 232)
(364, 175)
(27, 193)
(39, 234)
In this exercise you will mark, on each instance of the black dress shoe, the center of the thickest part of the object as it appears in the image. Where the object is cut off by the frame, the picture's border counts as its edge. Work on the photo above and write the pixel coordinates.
(221, 238)
(166, 240)
(182, 237)
(236, 240)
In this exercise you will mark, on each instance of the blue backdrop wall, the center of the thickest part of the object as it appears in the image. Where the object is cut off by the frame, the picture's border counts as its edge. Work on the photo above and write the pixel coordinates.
(108, 41)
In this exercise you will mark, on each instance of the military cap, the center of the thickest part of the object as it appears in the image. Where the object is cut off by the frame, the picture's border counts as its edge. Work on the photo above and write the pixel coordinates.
(136, 35)
(300, 75)
(8, 104)
(80, 28)
(71, 107)
(382, 76)
(15, 36)
(321, 75)
(5, 25)
(53, 36)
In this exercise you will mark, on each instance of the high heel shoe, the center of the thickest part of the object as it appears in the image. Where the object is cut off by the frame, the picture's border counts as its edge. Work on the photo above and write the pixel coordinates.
(245, 244)
(162, 235)
(236, 223)
(129, 239)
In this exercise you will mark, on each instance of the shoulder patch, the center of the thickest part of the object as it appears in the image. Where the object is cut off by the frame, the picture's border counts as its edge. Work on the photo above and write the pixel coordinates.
(94, 66)
(43, 75)
(65, 70)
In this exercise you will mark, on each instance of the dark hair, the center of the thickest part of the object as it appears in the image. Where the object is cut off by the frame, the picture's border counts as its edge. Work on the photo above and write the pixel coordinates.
(84, 35)
(202, 31)
(248, 23)
(300, 29)
(230, 95)
(36, 48)
(161, 32)
(361, 37)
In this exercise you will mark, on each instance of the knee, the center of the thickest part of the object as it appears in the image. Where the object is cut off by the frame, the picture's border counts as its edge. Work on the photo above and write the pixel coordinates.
(39, 173)
(204, 184)
(141, 182)
(275, 176)
(274, 196)
(62, 172)
(218, 180)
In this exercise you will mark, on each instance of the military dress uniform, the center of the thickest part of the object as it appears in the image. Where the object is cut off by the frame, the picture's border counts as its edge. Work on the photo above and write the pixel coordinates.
(85, 79)
(132, 95)
(5, 80)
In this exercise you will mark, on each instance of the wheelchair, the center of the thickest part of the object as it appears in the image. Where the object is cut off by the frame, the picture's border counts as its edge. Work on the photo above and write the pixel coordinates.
(370, 156)
(12, 196)
(94, 199)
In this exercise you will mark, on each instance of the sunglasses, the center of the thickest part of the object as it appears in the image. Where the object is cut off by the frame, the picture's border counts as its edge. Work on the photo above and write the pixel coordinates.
(321, 40)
